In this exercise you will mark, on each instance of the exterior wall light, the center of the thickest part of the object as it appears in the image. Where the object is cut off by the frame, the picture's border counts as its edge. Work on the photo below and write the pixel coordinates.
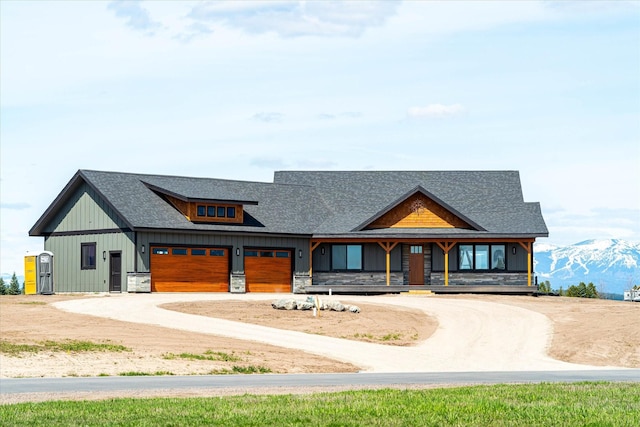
(513, 250)
(322, 250)
(104, 255)
(142, 249)
(300, 253)
(237, 251)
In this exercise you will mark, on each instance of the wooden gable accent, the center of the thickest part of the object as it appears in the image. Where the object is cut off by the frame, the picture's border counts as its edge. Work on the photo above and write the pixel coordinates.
(190, 211)
(418, 211)
(181, 205)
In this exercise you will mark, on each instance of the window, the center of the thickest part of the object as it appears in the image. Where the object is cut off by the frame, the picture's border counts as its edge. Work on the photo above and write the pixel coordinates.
(497, 257)
(216, 212)
(416, 249)
(179, 251)
(346, 257)
(88, 256)
(216, 252)
(160, 251)
(480, 257)
(250, 253)
(282, 254)
(466, 257)
(198, 252)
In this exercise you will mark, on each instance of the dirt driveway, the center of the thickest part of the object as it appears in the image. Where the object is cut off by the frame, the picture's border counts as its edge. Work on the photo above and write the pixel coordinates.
(592, 332)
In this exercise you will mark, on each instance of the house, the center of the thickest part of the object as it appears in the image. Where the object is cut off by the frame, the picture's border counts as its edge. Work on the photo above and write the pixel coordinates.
(306, 232)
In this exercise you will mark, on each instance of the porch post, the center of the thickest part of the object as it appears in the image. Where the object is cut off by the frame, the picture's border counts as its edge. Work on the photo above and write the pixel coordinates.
(312, 246)
(388, 247)
(446, 247)
(528, 246)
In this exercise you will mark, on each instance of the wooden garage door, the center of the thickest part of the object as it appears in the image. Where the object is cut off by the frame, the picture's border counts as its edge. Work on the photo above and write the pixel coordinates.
(179, 269)
(267, 270)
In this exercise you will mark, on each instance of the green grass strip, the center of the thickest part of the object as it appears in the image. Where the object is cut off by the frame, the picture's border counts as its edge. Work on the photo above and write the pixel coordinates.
(579, 404)
(66, 346)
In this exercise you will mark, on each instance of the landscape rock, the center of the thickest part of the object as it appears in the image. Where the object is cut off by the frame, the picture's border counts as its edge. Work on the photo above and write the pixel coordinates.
(313, 302)
(284, 304)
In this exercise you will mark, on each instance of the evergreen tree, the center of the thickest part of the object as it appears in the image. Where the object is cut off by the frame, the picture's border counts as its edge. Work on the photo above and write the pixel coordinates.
(545, 287)
(14, 286)
(591, 291)
(582, 291)
(3, 287)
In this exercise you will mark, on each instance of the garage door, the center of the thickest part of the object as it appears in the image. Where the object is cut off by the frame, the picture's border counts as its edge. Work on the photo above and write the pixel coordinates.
(193, 269)
(267, 270)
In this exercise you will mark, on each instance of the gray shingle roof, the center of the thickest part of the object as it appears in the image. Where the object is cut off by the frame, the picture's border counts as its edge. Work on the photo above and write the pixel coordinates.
(319, 203)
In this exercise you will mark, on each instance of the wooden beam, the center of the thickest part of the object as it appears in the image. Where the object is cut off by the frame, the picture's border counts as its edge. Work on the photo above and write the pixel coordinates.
(388, 247)
(446, 247)
(528, 247)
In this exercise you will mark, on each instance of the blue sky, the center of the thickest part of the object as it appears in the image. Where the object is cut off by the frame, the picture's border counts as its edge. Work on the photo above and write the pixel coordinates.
(240, 89)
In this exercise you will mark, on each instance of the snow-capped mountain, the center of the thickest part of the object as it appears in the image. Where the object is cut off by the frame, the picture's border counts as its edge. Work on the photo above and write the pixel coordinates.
(612, 265)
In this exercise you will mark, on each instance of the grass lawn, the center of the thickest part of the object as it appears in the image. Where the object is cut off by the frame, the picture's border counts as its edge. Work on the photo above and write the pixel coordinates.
(575, 404)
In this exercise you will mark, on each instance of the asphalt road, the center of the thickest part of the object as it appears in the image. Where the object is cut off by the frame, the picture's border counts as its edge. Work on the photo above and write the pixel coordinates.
(111, 384)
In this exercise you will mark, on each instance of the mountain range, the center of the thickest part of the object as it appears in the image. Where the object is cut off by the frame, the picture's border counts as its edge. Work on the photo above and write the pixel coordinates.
(612, 265)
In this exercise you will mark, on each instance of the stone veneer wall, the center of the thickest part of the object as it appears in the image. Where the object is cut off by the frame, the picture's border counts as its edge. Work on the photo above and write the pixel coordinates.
(238, 283)
(357, 278)
(457, 278)
(301, 281)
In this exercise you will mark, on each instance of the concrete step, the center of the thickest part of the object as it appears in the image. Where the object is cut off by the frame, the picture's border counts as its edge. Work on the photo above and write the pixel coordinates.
(417, 292)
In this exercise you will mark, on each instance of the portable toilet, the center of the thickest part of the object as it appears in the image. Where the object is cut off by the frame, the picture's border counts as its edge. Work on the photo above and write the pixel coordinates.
(38, 273)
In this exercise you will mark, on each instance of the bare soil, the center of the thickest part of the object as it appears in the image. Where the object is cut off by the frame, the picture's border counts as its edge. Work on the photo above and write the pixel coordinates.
(586, 331)
(593, 332)
(375, 323)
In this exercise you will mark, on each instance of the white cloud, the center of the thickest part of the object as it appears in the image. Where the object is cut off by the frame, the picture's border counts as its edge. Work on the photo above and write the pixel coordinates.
(343, 115)
(137, 17)
(435, 111)
(298, 18)
(268, 117)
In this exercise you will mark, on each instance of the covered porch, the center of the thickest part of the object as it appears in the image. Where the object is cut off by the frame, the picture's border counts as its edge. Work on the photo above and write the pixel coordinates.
(445, 278)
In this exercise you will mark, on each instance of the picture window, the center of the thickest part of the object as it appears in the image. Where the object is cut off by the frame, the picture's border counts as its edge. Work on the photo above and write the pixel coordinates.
(346, 257)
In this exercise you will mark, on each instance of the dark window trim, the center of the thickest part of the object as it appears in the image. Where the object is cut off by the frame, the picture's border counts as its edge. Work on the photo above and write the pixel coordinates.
(346, 270)
(474, 251)
(88, 265)
(457, 268)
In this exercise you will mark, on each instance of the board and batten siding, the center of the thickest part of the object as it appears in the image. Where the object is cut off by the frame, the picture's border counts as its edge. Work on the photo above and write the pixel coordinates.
(374, 258)
(68, 275)
(85, 211)
(230, 241)
(87, 218)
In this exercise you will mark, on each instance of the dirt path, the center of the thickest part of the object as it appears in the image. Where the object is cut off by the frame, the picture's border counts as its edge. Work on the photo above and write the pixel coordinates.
(390, 320)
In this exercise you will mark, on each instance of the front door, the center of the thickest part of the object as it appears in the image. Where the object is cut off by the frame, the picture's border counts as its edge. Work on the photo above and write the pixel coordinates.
(416, 265)
(115, 272)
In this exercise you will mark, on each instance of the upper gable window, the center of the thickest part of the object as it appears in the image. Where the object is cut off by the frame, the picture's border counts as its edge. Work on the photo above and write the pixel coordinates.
(217, 213)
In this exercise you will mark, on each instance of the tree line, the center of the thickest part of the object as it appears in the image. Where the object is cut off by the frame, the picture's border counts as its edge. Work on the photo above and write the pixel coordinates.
(581, 290)
(11, 288)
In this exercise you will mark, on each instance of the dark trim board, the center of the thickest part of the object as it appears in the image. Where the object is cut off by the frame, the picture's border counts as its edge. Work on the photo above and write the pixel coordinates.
(396, 289)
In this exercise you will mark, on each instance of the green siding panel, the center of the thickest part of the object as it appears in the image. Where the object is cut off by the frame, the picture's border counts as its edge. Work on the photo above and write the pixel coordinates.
(86, 210)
